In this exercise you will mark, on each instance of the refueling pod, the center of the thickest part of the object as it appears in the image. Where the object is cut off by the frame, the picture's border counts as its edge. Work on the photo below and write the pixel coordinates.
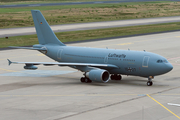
(98, 75)
(30, 67)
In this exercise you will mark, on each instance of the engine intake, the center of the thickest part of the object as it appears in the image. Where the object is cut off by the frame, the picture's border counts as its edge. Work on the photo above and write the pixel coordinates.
(98, 75)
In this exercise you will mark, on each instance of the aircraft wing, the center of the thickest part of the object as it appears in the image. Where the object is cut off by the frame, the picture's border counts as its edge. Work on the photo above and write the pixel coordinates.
(66, 64)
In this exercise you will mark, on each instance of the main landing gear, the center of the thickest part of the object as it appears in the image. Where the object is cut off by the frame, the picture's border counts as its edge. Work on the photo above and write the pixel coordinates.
(150, 83)
(116, 77)
(85, 79)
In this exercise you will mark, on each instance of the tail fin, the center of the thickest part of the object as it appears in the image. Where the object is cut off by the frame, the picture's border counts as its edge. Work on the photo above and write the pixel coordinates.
(43, 30)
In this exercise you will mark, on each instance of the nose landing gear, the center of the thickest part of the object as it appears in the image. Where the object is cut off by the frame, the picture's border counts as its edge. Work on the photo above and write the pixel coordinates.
(150, 83)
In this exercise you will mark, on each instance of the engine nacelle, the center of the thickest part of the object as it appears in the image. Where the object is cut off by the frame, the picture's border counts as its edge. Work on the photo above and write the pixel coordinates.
(98, 75)
(30, 67)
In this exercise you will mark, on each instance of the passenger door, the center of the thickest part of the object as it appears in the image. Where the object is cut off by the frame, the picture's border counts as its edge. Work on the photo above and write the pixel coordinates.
(145, 61)
(106, 59)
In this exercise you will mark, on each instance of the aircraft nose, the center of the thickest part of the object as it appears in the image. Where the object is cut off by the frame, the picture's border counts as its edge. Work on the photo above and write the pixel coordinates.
(169, 67)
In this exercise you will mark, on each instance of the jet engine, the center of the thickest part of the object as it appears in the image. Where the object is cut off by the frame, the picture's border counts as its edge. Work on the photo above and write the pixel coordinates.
(98, 75)
(30, 67)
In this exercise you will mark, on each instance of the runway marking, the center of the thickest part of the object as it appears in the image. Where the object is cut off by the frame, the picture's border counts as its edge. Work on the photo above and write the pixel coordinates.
(8, 70)
(174, 104)
(133, 41)
(125, 44)
(173, 58)
(148, 40)
(40, 55)
(177, 60)
(163, 106)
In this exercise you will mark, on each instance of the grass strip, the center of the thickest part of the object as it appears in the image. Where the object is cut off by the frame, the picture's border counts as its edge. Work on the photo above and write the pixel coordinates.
(21, 17)
(11, 2)
(86, 6)
(91, 34)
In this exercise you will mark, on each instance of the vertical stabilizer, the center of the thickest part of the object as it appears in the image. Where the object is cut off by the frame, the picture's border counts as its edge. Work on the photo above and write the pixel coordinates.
(43, 30)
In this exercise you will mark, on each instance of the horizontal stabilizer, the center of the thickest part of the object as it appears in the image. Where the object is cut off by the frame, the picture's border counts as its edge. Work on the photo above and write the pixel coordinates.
(29, 48)
(9, 61)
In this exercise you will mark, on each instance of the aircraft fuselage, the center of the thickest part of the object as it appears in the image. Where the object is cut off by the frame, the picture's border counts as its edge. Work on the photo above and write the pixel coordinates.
(129, 62)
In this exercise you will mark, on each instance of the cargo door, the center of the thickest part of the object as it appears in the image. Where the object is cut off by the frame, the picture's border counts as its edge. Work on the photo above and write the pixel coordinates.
(59, 55)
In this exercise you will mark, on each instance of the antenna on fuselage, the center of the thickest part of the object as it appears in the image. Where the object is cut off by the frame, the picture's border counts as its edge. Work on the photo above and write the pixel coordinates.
(144, 50)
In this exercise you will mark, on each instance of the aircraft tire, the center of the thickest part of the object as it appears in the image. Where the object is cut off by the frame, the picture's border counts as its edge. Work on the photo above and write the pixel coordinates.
(119, 77)
(86, 80)
(89, 81)
(112, 77)
(149, 83)
(116, 77)
(82, 79)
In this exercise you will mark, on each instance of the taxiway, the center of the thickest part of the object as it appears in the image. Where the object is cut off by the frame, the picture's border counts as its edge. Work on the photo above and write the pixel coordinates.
(89, 26)
(54, 93)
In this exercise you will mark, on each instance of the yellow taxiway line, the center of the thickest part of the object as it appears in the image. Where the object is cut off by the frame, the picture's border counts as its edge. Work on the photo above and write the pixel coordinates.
(163, 106)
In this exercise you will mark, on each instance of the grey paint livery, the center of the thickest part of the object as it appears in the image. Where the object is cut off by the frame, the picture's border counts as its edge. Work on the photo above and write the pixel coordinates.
(96, 63)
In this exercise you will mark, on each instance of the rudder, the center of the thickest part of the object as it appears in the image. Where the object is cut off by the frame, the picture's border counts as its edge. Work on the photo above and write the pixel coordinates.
(43, 30)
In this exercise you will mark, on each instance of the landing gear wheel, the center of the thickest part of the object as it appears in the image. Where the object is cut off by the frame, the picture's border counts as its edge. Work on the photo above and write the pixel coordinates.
(82, 79)
(112, 77)
(116, 77)
(87, 80)
(90, 81)
(149, 83)
(119, 77)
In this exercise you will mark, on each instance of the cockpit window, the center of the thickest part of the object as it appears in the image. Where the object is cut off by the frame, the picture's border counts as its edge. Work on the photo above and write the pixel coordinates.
(159, 61)
(162, 61)
(165, 61)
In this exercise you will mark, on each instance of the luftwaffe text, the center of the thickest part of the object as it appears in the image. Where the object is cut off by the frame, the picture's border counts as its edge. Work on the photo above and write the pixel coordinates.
(117, 55)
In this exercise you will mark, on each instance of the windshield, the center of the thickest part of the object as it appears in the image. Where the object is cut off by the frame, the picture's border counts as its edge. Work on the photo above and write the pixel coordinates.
(162, 61)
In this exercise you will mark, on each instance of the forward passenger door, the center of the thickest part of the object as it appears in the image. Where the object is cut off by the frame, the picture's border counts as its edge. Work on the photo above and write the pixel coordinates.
(145, 61)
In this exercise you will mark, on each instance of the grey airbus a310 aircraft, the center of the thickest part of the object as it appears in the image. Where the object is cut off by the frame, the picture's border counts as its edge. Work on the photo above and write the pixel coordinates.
(98, 65)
